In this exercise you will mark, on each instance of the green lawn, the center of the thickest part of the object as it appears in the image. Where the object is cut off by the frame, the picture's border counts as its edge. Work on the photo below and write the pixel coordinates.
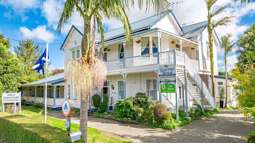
(30, 120)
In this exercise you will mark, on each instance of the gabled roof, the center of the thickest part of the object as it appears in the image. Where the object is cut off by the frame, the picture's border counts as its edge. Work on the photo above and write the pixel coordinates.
(71, 29)
(137, 26)
(190, 30)
(52, 80)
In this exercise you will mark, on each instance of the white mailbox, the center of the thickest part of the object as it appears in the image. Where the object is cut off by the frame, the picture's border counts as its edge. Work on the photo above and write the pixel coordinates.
(8, 98)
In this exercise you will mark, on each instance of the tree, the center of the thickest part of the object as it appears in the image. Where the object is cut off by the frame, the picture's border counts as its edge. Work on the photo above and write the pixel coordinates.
(27, 53)
(244, 71)
(227, 47)
(10, 72)
(89, 72)
(212, 24)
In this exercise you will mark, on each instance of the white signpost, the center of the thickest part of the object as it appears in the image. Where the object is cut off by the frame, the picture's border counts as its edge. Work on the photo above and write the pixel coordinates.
(66, 108)
(8, 98)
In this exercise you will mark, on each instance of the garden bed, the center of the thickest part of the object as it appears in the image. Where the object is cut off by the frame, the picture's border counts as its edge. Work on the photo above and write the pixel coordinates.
(142, 110)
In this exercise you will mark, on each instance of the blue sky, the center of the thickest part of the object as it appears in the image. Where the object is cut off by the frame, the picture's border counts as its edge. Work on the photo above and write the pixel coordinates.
(37, 20)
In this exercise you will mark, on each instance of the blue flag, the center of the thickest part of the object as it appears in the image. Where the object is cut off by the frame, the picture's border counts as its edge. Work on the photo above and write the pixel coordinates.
(39, 65)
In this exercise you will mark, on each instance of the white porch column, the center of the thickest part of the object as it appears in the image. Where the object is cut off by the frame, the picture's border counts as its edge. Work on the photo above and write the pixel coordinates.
(150, 46)
(54, 96)
(159, 46)
(124, 59)
(181, 45)
(158, 78)
(35, 91)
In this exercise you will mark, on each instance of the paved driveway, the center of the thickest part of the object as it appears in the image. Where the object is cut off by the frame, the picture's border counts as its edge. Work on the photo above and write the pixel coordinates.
(225, 127)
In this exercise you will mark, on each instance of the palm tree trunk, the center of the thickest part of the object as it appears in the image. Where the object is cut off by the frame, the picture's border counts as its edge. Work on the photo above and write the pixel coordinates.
(84, 117)
(226, 78)
(84, 96)
(210, 45)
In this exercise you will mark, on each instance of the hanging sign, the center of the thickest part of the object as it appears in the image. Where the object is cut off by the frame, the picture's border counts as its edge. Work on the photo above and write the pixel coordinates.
(66, 108)
(167, 71)
(167, 88)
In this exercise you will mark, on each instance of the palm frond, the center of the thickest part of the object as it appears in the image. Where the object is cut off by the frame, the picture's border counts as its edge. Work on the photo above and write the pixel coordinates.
(218, 11)
(67, 13)
(222, 21)
(157, 5)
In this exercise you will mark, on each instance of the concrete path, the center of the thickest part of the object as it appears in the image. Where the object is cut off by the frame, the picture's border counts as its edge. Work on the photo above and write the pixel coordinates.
(225, 127)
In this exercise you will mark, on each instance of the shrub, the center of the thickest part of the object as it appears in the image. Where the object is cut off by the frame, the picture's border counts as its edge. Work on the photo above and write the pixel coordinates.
(251, 137)
(104, 105)
(125, 109)
(96, 100)
(141, 100)
(160, 113)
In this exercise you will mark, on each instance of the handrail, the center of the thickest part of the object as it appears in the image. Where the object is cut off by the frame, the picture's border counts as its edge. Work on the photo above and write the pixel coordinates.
(193, 71)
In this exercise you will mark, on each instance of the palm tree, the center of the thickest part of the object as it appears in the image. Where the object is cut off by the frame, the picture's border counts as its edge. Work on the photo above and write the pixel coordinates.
(227, 47)
(212, 24)
(92, 13)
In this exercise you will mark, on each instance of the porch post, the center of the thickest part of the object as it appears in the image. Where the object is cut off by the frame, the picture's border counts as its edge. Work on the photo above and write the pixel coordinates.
(54, 96)
(124, 59)
(158, 87)
(124, 76)
(159, 46)
(181, 45)
(35, 94)
(150, 46)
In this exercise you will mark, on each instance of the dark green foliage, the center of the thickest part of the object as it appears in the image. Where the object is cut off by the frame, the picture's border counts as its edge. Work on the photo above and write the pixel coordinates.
(104, 104)
(251, 137)
(96, 100)
(10, 70)
(141, 109)
(27, 53)
(14, 133)
(244, 72)
(160, 113)
(141, 99)
(125, 109)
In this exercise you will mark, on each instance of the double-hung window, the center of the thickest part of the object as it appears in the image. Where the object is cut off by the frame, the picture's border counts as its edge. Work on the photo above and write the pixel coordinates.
(121, 89)
(73, 55)
(155, 46)
(151, 88)
(145, 49)
(78, 54)
(121, 51)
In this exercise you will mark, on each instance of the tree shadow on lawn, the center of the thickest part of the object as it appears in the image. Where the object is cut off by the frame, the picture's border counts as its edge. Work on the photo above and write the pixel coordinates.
(49, 133)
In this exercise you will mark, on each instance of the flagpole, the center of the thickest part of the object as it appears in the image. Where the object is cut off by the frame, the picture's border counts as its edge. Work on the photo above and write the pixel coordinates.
(46, 85)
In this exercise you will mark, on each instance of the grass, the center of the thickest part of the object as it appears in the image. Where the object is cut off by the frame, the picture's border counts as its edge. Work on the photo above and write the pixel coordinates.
(28, 126)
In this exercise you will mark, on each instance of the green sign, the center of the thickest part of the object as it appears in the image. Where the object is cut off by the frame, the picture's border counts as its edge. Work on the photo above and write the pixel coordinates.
(167, 88)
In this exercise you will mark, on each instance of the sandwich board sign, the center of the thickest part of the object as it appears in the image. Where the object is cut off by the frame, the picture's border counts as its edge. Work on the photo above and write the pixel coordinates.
(11, 98)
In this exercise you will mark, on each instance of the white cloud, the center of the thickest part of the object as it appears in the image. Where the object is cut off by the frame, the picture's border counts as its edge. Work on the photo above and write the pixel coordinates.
(21, 4)
(52, 9)
(238, 12)
(39, 33)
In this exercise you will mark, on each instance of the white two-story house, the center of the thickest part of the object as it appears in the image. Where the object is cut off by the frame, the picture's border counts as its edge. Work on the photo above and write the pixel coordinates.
(158, 41)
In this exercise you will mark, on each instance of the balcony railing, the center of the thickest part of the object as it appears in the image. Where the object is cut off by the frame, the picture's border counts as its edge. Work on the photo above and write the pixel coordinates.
(172, 57)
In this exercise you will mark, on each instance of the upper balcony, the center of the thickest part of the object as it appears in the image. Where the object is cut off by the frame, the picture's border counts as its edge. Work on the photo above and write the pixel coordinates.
(145, 53)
